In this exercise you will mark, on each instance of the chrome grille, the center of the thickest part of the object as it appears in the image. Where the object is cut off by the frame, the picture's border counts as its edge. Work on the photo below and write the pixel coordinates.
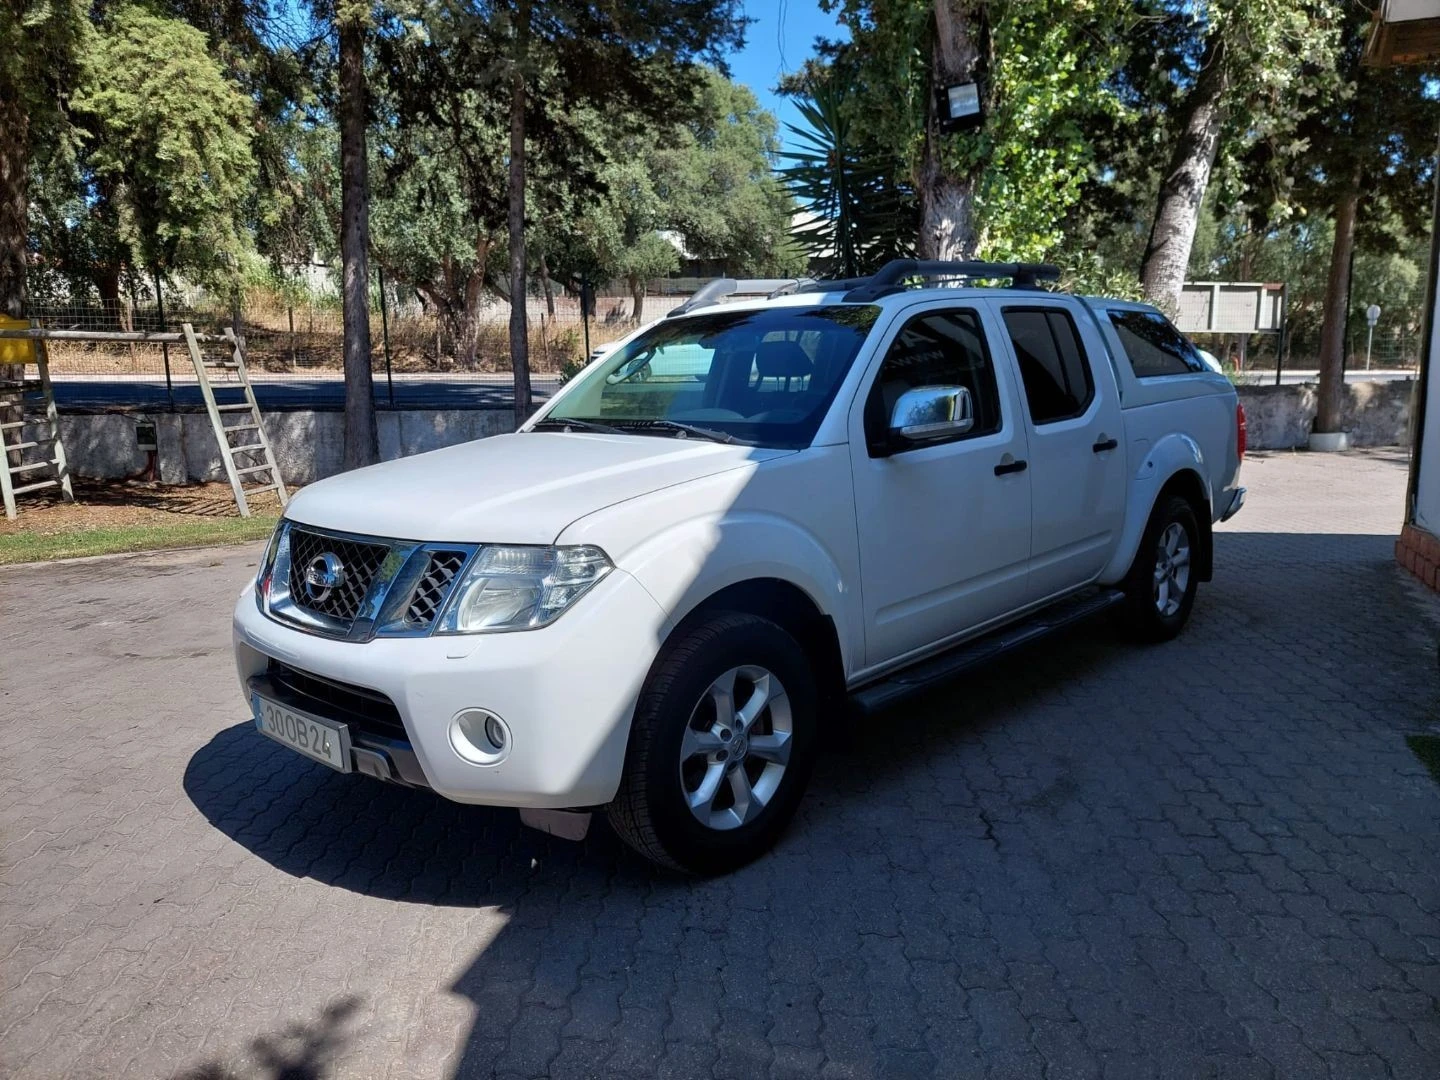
(361, 562)
(429, 595)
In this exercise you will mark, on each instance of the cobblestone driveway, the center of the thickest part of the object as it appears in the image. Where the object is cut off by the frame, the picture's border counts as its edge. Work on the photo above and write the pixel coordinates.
(1212, 858)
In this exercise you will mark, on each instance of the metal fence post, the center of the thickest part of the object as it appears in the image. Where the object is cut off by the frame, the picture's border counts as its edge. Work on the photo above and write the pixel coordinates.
(1284, 327)
(587, 299)
(164, 345)
(385, 336)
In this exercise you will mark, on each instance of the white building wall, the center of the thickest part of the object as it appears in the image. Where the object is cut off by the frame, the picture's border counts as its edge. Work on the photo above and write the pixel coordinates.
(1427, 481)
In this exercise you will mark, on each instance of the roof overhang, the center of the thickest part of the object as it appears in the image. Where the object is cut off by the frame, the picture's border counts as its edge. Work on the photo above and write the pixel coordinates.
(1404, 32)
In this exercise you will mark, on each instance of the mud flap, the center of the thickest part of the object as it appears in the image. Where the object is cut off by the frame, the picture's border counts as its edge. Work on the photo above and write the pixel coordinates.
(566, 824)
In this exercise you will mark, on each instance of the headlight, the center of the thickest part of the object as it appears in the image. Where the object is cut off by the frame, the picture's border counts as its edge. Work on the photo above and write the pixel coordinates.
(267, 563)
(521, 588)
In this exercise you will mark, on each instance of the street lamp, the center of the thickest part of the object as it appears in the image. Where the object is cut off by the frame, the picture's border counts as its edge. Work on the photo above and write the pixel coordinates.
(1372, 316)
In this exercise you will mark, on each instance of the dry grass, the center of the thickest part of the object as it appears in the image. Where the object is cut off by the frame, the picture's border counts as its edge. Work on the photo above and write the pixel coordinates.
(316, 344)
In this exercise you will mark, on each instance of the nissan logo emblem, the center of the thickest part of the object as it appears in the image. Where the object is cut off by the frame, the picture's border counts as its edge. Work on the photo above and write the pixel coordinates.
(325, 574)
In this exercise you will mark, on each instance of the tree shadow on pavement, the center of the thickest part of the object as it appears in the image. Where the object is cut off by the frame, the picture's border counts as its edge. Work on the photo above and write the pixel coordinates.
(298, 1052)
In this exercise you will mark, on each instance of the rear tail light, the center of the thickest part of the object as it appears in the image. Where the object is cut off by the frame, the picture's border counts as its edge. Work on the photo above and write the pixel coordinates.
(1239, 431)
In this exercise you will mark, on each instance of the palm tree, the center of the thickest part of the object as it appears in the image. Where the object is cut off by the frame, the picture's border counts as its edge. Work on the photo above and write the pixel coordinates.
(858, 217)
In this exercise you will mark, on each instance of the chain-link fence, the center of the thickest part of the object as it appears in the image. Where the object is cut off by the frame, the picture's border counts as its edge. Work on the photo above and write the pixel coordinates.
(294, 348)
(1389, 352)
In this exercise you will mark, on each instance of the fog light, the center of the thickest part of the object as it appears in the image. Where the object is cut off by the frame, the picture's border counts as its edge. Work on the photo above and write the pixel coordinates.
(495, 733)
(479, 736)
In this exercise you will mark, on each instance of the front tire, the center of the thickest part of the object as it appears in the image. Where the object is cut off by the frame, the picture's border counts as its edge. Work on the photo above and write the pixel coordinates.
(722, 747)
(1160, 588)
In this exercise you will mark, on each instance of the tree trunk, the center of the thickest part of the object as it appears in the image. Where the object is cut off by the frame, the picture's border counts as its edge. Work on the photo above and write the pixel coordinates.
(107, 285)
(455, 299)
(1331, 398)
(947, 219)
(474, 294)
(637, 298)
(519, 326)
(1167, 255)
(545, 284)
(464, 327)
(14, 177)
(361, 438)
(947, 201)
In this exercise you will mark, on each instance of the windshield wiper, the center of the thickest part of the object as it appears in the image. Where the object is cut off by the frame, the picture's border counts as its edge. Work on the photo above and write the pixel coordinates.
(683, 430)
(568, 422)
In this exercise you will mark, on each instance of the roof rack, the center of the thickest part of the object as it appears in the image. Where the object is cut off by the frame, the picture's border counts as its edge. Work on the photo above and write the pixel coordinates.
(894, 276)
(711, 292)
(891, 278)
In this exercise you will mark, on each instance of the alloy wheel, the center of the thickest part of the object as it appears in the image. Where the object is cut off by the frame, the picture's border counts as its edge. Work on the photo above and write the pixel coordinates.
(736, 747)
(1172, 569)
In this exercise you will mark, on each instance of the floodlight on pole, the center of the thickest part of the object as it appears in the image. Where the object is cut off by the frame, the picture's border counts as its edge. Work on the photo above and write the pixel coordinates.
(960, 107)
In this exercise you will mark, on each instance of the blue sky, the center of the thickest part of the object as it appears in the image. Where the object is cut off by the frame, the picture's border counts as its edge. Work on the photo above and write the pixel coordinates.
(778, 41)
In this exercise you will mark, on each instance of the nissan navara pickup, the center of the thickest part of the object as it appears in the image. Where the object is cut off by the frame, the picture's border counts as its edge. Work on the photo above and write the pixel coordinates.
(743, 524)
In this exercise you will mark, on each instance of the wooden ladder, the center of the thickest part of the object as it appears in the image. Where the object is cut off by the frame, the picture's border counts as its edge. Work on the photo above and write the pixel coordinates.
(249, 460)
(27, 403)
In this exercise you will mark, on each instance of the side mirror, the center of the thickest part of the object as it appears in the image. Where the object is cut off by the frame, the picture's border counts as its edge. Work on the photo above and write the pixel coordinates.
(932, 412)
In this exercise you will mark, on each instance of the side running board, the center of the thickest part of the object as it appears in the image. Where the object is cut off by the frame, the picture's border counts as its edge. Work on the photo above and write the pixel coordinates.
(939, 669)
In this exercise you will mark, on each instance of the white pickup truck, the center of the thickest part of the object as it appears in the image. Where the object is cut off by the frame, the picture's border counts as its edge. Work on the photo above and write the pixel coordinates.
(747, 521)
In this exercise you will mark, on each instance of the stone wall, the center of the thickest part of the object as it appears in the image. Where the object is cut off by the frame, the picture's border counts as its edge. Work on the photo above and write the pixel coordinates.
(309, 443)
(1376, 413)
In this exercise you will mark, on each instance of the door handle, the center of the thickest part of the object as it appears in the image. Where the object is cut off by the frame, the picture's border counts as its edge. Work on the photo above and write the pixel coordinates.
(1105, 444)
(1011, 467)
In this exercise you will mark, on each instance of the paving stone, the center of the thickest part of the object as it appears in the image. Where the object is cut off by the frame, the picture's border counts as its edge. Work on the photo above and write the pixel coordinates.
(1210, 858)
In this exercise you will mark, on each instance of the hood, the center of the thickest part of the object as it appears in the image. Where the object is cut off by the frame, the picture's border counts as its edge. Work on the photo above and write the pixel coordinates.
(510, 489)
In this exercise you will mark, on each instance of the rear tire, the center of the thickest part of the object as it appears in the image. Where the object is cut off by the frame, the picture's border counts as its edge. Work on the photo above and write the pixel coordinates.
(722, 747)
(1160, 587)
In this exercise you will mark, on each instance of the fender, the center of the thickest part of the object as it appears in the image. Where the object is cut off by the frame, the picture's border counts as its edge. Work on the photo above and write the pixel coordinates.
(685, 565)
(791, 518)
(1157, 464)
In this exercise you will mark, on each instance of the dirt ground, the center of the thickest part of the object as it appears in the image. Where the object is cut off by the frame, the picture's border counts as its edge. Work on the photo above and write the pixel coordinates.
(108, 504)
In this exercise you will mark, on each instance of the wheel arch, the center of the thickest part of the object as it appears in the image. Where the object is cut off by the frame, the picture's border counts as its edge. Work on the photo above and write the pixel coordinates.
(1187, 483)
(789, 607)
(1173, 466)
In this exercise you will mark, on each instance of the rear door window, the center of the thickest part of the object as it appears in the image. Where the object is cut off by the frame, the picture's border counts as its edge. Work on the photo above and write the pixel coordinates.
(1153, 345)
(1053, 368)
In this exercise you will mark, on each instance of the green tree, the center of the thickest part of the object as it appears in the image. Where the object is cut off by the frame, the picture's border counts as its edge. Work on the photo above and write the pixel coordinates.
(716, 171)
(708, 181)
(41, 43)
(1369, 146)
(166, 145)
(600, 190)
(440, 220)
(546, 63)
(857, 216)
(1008, 188)
(1244, 66)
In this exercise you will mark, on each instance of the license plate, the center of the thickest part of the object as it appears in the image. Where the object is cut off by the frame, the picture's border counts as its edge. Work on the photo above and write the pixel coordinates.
(323, 740)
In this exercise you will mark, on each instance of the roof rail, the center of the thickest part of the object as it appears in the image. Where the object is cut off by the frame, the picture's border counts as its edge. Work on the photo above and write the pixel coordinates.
(891, 277)
(711, 292)
(833, 285)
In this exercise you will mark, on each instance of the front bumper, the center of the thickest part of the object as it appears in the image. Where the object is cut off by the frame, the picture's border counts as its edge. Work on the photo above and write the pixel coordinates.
(566, 692)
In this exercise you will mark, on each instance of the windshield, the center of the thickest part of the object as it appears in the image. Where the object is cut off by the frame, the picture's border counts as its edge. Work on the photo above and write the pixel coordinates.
(762, 376)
